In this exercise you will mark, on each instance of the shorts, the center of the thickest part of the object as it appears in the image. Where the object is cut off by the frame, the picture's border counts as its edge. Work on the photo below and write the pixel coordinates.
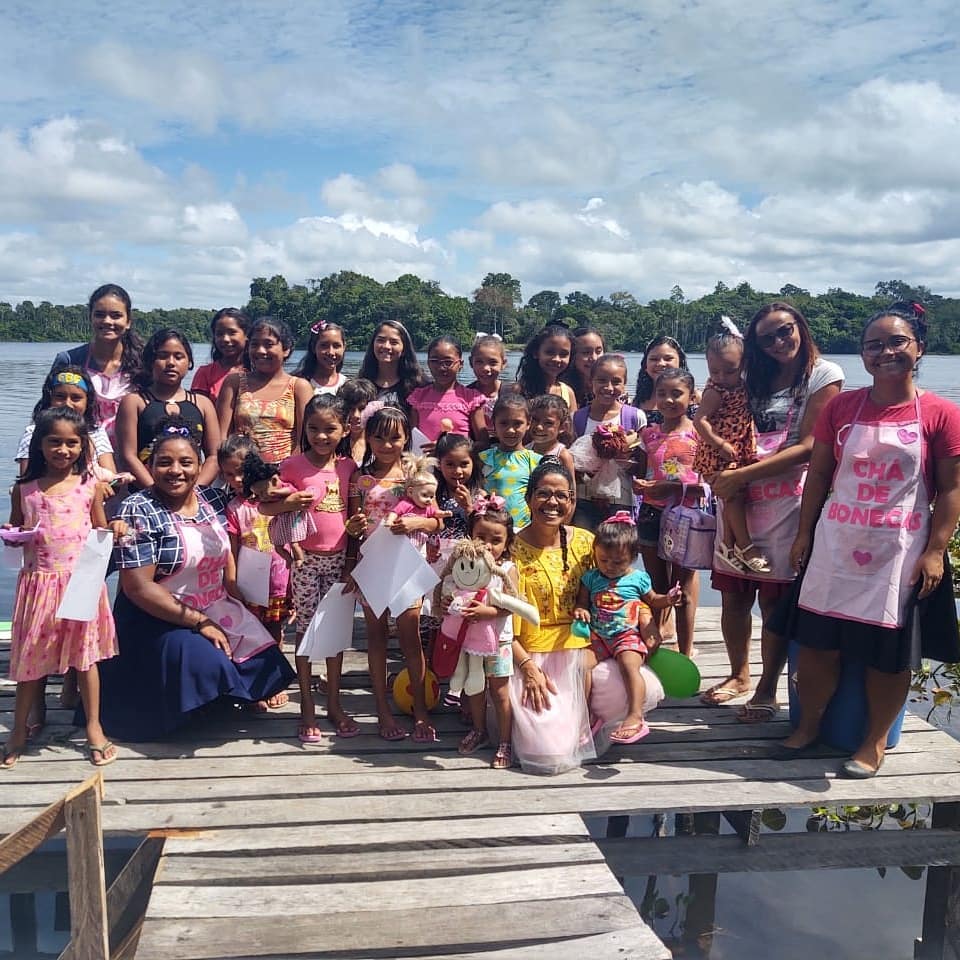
(648, 524)
(766, 589)
(311, 581)
(606, 647)
(885, 649)
(499, 664)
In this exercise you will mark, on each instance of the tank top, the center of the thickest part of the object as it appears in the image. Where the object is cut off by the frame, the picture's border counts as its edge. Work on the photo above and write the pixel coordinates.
(154, 413)
(269, 422)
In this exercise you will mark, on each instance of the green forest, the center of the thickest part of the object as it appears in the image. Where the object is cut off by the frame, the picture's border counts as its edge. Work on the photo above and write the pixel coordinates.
(359, 303)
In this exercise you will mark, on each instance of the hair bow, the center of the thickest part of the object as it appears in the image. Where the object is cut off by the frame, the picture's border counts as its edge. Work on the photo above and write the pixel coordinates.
(319, 327)
(73, 379)
(730, 326)
(485, 504)
(621, 516)
(482, 336)
(374, 406)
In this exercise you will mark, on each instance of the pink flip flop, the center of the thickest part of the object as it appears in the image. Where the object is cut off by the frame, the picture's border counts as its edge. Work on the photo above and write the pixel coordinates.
(304, 736)
(639, 732)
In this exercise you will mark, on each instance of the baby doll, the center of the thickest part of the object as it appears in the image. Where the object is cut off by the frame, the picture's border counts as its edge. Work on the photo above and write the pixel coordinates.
(261, 481)
(472, 574)
(420, 493)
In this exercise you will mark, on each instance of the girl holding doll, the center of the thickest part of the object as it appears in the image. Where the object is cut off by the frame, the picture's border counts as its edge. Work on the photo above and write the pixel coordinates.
(375, 490)
(57, 495)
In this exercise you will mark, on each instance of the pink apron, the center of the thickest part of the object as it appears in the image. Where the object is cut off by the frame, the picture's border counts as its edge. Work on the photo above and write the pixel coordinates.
(199, 583)
(874, 525)
(773, 511)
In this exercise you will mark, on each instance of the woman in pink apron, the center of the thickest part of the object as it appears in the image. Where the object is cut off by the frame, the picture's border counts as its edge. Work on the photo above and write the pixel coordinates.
(112, 357)
(882, 455)
(789, 383)
(184, 640)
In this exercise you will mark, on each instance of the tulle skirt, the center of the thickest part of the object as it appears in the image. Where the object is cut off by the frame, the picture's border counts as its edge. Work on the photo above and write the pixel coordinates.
(608, 698)
(557, 739)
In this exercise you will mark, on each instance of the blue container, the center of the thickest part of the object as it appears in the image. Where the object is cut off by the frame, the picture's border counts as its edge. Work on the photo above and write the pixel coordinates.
(845, 721)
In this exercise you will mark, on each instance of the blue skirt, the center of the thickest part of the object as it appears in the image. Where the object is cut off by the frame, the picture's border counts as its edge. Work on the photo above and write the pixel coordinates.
(164, 673)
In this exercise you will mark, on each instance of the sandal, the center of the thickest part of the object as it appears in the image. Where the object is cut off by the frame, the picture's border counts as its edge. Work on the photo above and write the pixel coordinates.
(757, 564)
(102, 750)
(503, 758)
(309, 733)
(730, 556)
(473, 741)
(346, 727)
(720, 693)
(423, 732)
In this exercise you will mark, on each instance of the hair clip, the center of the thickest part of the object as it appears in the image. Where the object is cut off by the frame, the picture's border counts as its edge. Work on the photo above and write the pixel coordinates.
(918, 310)
(73, 379)
(486, 504)
(319, 327)
(483, 336)
(621, 516)
(172, 430)
(374, 406)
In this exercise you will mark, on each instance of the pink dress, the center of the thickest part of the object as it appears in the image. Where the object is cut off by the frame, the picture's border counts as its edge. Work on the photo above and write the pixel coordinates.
(42, 644)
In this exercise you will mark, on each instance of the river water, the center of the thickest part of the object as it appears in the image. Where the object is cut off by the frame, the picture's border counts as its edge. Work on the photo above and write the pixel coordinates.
(787, 915)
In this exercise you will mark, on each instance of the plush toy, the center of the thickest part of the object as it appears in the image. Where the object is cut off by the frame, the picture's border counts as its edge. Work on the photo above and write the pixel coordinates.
(419, 489)
(600, 457)
(612, 442)
(472, 574)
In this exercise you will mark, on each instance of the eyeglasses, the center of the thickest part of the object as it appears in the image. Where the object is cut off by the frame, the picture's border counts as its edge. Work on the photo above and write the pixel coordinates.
(781, 333)
(873, 348)
(544, 496)
(443, 364)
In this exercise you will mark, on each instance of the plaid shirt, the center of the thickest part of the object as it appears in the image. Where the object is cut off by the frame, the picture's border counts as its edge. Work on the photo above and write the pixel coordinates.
(153, 537)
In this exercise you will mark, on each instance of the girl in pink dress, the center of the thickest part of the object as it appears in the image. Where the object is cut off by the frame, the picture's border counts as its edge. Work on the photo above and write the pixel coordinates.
(59, 498)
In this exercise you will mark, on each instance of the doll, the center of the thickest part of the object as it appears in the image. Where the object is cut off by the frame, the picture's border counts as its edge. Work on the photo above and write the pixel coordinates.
(419, 493)
(472, 574)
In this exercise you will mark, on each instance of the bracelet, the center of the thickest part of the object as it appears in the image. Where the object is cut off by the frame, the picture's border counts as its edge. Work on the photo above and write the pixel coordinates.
(523, 663)
(200, 624)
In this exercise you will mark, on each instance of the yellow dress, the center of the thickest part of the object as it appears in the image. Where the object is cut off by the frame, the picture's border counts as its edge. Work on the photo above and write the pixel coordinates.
(553, 592)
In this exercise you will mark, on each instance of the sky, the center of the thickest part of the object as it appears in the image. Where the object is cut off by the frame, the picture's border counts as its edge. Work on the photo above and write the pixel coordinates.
(182, 149)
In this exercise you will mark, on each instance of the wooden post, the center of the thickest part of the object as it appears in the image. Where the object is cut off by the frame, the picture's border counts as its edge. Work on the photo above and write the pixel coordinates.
(702, 887)
(87, 878)
(940, 935)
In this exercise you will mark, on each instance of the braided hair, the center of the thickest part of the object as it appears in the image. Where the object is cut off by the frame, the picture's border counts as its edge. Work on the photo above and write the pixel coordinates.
(551, 466)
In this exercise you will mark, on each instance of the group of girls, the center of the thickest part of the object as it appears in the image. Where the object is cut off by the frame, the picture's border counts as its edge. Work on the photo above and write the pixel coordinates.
(337, 445)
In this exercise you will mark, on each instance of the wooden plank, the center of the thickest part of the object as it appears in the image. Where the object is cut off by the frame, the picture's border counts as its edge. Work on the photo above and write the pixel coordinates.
(635, 943)
(390, 932)
(678, 856)
(87, 880)
(940, 934)
(408, 863)
(129, 893)
(746, 823)
(292, 900)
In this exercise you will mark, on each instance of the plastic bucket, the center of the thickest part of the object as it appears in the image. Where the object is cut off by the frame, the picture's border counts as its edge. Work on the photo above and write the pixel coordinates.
(845, 721)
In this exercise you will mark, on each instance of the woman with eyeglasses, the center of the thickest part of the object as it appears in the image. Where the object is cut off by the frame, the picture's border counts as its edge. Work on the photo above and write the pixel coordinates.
(868, 540)
(551, 729)
(788, 384)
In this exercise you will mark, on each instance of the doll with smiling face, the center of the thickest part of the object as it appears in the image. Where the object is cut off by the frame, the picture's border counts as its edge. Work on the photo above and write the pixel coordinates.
(419, 493)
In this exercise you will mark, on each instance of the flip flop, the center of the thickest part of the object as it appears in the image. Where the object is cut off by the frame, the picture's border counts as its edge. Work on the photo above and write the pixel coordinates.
(346, 727)
(309, 733)
(391, 733)
(721, 693)
(10, 758)
(758, 712)
(102, 750)
(277, 701)
(423, 732)
(639, 731)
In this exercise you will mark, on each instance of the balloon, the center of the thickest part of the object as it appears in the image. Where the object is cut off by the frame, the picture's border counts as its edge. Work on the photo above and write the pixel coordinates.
(678, 674)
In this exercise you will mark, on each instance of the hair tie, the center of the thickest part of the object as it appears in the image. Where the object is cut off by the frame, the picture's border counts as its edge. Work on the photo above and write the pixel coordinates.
(319, 326)
(621, 516)
(374, 406)
(73, 379)
(918, 310)
(485, 504)
(483, 336)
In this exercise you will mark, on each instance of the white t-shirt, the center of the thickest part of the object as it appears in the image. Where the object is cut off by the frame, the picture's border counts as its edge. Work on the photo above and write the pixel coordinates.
(342, 378)
(101, 442)
(772, 416)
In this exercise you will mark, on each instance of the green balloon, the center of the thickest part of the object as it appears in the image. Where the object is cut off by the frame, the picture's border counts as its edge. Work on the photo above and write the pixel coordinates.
(678, 674)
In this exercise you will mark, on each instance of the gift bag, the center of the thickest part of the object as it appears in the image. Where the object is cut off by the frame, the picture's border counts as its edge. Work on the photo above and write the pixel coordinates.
(687, 535)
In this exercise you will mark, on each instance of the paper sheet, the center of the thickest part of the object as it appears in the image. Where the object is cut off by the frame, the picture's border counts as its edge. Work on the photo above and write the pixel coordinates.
(11, 558)
(389, 563)
(417, 439)
(82, 596)
(331, 629)
(253, 575)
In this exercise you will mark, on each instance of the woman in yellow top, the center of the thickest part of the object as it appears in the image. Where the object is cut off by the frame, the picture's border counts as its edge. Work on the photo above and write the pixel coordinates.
(551, 728)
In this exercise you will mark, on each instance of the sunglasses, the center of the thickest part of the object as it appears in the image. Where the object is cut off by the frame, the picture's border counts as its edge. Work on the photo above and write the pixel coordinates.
(784, 332)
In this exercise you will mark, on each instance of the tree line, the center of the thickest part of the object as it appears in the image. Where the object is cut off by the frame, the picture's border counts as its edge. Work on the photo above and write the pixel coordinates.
(358, 303)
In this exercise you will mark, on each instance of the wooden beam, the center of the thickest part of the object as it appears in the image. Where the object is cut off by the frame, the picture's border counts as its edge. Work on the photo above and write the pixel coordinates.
(87, 878)
(940, 934)
(746, 823)
(129, 895)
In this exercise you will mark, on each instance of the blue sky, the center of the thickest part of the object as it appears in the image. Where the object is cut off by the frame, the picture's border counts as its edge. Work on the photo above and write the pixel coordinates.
(183, 149)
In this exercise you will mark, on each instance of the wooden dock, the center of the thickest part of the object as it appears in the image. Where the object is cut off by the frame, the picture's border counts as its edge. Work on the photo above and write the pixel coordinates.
(364, 849)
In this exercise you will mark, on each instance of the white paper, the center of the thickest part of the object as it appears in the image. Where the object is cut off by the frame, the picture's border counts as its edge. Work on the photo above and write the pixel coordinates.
(11, 558)
(420, 583)
(417, 439)
(388, 562)
(331, 628)
(82, 596)
(253, 575)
